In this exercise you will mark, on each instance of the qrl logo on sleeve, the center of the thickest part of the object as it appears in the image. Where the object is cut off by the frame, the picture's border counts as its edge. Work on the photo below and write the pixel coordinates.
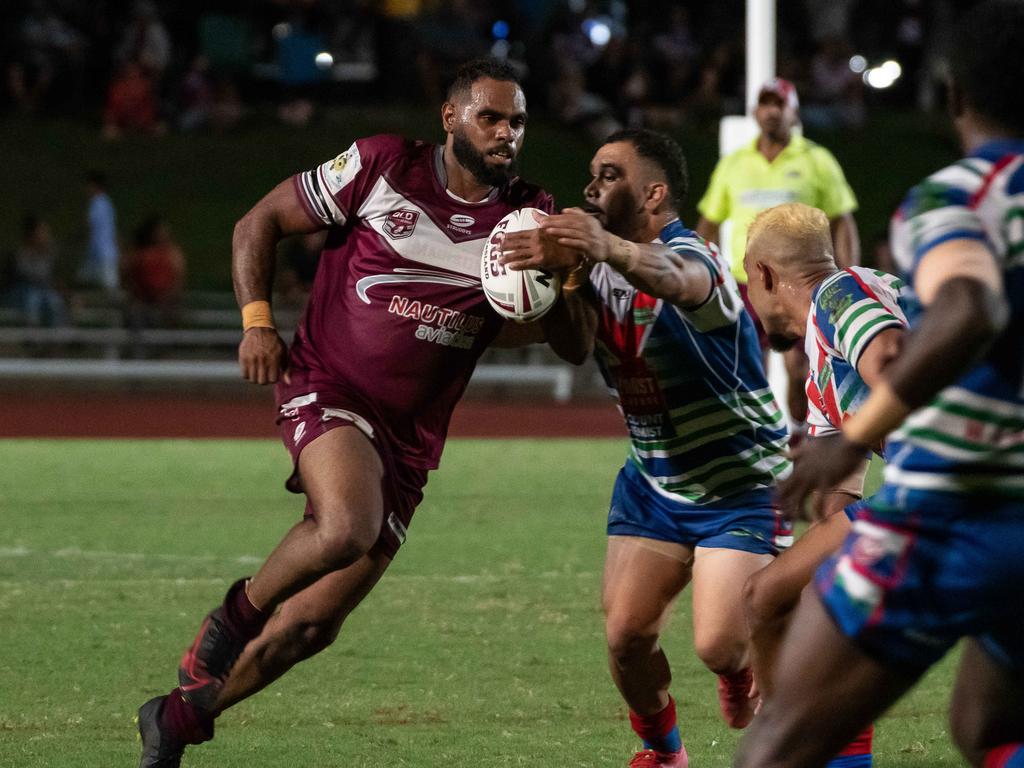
(400, 223)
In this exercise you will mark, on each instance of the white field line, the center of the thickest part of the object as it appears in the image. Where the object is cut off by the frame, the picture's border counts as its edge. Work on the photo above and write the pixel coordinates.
(69, 552)
(75, 552)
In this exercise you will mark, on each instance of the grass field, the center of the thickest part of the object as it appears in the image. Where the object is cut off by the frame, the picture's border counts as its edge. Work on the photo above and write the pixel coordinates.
(483, 646)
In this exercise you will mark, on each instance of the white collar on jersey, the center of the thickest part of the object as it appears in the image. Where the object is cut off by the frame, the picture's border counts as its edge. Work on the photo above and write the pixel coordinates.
(442, 177)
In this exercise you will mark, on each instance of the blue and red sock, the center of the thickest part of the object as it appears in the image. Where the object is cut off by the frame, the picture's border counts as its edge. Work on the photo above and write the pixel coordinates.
(856, 754)
(658, 731)
(1006, 756)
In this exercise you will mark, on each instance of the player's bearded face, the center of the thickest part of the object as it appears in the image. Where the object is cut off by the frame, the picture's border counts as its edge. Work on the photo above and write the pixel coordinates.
(620, 211)
(476, 161)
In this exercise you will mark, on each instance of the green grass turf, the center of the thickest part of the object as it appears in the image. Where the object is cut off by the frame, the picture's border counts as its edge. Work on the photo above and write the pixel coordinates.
(482, 647)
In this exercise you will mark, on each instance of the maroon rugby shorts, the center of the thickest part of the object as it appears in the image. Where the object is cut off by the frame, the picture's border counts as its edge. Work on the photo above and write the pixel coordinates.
(302, 419)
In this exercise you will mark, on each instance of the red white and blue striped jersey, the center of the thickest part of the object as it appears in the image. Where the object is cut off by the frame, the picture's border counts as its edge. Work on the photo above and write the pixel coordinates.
(970, 438)
(703, 423)
(848, 309)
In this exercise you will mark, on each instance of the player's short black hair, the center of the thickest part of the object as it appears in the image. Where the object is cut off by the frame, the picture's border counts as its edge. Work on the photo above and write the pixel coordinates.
(987, 63)
(664, 152)
(474, 70)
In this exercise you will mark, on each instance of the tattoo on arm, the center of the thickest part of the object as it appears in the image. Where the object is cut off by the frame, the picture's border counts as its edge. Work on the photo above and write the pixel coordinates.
(659, 271)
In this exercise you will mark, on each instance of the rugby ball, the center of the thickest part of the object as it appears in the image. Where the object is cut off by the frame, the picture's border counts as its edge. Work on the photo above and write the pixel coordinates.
(520, 295)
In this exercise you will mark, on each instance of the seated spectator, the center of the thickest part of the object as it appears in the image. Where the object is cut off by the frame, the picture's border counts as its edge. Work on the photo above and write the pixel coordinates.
(131, 104)
(154, 277)
(33, 291)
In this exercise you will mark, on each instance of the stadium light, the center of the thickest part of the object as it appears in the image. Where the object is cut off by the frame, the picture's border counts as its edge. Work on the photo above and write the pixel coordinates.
(598, 30)
(884, 75)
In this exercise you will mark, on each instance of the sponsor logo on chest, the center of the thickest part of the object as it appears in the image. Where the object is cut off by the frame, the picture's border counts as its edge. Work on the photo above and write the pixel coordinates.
(460, 223)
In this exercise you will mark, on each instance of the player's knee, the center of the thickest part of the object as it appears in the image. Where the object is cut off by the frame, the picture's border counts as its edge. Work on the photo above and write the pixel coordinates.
(627, 639)
(344, 539)
(722, 651)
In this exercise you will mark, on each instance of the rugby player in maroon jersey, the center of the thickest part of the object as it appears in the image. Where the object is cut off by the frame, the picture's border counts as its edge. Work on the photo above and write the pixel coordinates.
(395, 323)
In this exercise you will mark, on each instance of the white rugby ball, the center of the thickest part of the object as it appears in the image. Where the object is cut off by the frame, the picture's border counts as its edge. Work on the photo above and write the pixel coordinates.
(520, 295)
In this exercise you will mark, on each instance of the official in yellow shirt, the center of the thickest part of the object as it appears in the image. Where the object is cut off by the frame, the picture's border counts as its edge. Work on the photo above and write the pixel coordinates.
(778, 167)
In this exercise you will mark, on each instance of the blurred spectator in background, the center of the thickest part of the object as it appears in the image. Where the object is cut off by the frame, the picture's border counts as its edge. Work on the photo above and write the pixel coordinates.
(154, 277)
(677, 56)
(575, 106)
(145, 41)
(33, 291)
(48, 53)
(207, 100)
(456, 30)
(836, 98)
(100, 268)
(131, 104)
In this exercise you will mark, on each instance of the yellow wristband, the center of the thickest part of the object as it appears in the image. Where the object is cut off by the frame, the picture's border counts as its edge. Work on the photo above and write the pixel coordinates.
(578, 276)
(257, 314)
(881, 413)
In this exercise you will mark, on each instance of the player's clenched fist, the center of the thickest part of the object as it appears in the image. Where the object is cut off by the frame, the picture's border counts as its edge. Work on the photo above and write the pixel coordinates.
(263, 356)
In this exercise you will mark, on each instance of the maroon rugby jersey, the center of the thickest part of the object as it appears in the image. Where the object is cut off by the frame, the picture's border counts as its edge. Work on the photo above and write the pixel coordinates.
(396, 318)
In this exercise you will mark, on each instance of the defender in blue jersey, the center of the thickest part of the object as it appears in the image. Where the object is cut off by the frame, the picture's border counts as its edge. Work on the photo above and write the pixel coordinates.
(680, 355)
(936, 555)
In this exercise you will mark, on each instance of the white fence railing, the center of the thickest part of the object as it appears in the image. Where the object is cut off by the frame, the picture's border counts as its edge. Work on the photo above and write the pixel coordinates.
(73, 353)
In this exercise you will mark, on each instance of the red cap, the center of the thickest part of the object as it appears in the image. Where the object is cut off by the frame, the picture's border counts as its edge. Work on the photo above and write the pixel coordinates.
(784, 89)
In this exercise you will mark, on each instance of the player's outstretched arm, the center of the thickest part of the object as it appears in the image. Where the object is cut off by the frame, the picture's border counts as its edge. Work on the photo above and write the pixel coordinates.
(262, 355)
(655, 269)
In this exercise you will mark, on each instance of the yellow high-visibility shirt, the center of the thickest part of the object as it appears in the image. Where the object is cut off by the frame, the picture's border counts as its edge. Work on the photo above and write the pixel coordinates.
(745, 183)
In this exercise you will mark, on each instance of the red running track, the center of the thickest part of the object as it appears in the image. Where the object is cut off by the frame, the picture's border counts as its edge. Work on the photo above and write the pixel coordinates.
(159, 415)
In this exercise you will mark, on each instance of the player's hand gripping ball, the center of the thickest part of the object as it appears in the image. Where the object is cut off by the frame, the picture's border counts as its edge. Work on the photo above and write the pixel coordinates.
(523, 295)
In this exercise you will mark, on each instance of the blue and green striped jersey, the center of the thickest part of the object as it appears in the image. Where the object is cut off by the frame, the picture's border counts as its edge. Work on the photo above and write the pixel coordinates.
(703, 423)
(970, 438)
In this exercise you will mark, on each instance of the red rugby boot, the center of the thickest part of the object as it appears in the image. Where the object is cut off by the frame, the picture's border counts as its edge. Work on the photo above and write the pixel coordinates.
(648, 758)
(734, 698)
